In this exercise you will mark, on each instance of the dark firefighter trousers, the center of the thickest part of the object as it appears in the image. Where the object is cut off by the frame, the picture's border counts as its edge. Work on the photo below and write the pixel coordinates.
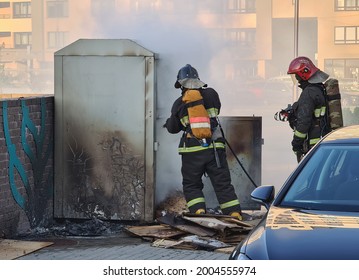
(194, 166)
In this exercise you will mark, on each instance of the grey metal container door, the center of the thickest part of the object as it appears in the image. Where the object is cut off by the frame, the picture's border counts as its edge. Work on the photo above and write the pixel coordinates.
(104, 137)
(244, 135)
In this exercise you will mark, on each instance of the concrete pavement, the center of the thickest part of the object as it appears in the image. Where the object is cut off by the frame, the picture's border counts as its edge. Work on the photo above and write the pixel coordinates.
(117, 247)
(100, 240)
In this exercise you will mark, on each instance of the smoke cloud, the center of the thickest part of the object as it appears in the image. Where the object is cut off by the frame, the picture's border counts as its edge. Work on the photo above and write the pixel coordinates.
(181, 38)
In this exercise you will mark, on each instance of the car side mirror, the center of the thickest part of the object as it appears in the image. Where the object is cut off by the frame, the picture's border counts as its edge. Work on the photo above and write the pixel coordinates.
(263, 195)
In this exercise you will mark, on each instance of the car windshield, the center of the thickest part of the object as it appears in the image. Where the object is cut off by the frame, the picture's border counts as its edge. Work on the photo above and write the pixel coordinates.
(328, 181)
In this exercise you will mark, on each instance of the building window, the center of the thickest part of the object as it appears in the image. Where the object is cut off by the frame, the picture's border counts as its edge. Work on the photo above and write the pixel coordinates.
(344, 69)
(241, 6)
(4, 5)
(177, 6)
(22, 9)
(346, 35)
(241, 37)
(5, 34)
(22, 39)
(57, 9)
(5, 12)
(57, 40)
(210, 6)
(346, 5)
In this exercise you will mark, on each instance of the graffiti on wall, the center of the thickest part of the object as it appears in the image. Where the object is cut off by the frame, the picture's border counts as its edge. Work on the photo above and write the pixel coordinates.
(30, 178)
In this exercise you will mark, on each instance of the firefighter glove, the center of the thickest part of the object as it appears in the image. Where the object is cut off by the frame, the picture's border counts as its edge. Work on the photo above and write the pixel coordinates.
(297, 144)
(299, 155)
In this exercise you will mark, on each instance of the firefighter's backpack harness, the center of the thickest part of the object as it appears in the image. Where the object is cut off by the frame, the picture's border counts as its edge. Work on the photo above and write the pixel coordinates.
(198, 118)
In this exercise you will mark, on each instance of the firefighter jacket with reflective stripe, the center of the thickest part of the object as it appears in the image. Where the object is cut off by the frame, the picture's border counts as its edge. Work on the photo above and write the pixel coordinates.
(311, 117)
(179, 122)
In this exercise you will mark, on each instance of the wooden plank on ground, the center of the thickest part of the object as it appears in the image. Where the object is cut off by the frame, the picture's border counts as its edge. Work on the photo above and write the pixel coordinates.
(226, 250)
(11, 249)
(157, 231)
(212, 222)
(220, 217)
(174, 244)
(187, 226)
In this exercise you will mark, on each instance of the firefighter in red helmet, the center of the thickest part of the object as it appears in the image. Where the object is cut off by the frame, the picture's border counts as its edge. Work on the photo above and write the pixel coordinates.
(310, 111)
(201, 156)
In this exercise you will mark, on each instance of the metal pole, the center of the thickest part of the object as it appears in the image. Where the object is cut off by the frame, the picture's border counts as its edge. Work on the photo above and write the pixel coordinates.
(296, 26)
(296, 31)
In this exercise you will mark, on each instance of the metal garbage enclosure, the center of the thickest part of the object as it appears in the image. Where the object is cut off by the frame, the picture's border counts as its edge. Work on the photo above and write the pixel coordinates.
(244, 136)
(104, 115)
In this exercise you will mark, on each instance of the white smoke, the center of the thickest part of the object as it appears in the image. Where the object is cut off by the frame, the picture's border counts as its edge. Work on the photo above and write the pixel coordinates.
(179, 39)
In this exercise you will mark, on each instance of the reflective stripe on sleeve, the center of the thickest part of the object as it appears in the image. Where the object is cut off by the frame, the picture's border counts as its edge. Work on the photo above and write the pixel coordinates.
(313, 141)
(320, 112)
(212, 112)
(323, 111)
(185, 120)
(300, 135)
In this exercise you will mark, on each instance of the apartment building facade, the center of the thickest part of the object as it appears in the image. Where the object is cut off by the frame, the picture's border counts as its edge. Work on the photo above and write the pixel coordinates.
(259, 34)
(328, 33)
(15, 42)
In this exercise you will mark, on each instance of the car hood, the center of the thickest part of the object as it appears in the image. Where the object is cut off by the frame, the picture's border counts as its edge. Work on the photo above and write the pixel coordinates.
(288, 234)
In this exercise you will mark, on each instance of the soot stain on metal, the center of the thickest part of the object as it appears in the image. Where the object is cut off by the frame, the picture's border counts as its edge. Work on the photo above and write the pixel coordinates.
(238, 148)
(106, 178)
(241, 139)
(127, 173)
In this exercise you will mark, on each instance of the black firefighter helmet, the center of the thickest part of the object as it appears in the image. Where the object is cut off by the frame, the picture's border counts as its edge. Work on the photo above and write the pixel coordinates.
(187, 77)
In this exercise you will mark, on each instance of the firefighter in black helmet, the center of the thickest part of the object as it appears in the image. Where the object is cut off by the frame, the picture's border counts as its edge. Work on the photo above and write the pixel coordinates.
(201, 157)
(311, 112)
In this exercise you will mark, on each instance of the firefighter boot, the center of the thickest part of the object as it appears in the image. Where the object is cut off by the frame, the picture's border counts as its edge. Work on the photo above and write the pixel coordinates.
(200, 211)
(236, 215)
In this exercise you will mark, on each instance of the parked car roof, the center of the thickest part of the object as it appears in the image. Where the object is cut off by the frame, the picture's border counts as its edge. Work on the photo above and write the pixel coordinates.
(350, 133)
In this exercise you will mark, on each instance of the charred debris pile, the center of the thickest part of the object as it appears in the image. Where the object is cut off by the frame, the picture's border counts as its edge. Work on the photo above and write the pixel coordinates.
(197, 232)
(174, 227)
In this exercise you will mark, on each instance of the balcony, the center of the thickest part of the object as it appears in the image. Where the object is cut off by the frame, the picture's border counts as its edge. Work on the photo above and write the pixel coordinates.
(14, 55)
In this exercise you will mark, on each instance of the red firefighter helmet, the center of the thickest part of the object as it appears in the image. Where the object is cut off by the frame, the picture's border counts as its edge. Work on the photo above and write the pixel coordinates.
(303, 67)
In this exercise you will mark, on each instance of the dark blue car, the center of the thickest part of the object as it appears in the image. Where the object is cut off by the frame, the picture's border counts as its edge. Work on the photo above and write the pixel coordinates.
(315, 215)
